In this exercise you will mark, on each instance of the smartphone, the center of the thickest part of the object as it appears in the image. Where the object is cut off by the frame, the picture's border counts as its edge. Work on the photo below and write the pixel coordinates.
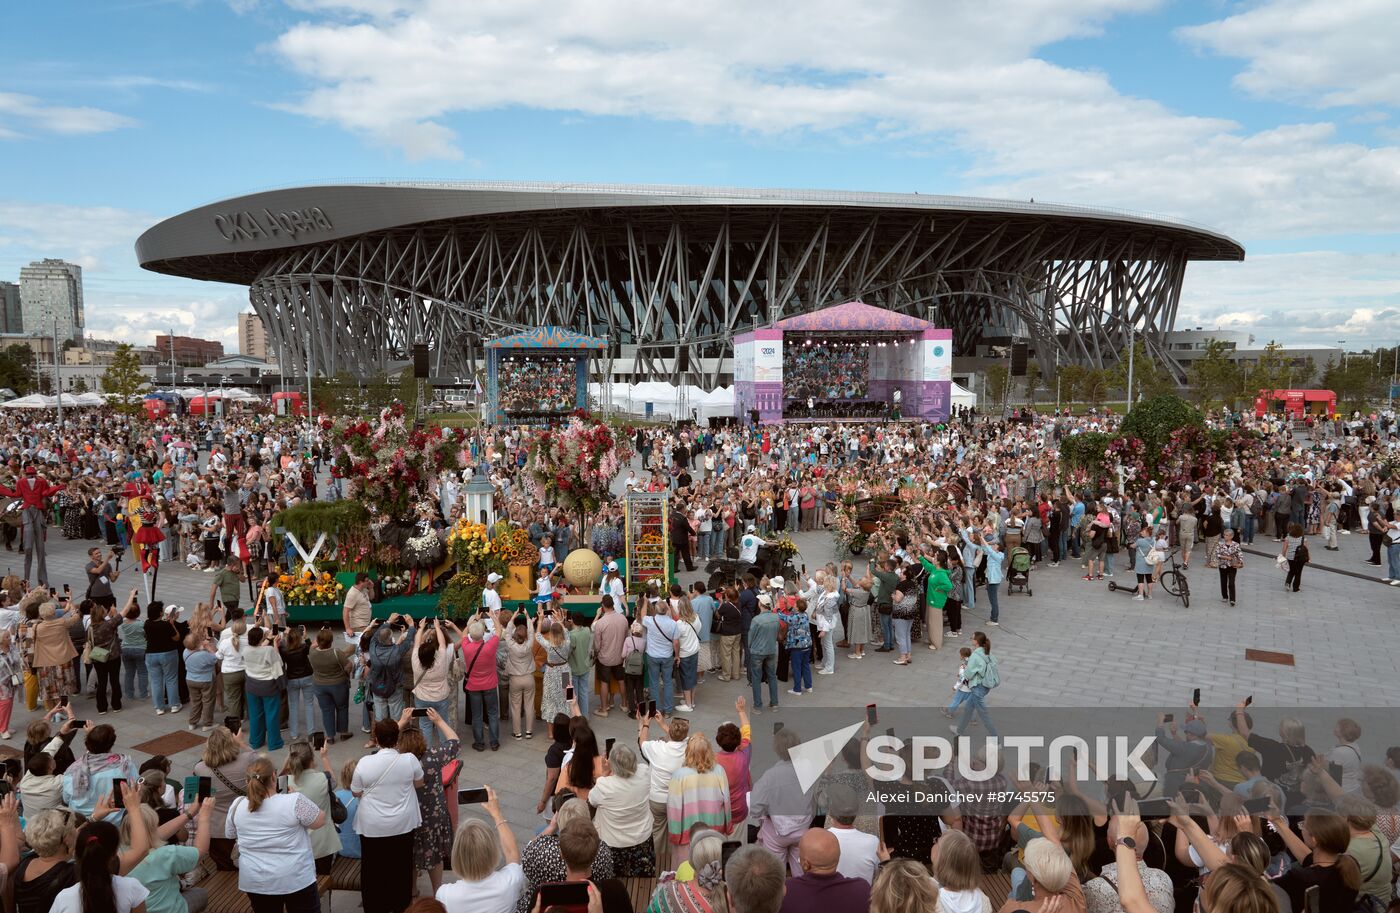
(318, 741)
(79, 724)
(210, 632)
(727, 849)
(276, 629)
(63, 701)
(1196, 698)
(608, 746)
(474, 796)
(419, 712)
(233, 724)
(1169, 718)
(572, 895)
(569, 693)
(119, 793)
(651, 709)
(1249, 700)
(284, 784)
(1312, 899)
(871, 716)
(14, 769)
(206, 788)
(1257, 806)
(777, 725)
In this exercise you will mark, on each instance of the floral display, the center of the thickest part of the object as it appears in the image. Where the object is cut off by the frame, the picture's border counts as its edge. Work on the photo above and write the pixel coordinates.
(423, 551)
(389, 466)
(574, 467)
(395, 584)
(513, 545)
(306, 588)
(476, 554)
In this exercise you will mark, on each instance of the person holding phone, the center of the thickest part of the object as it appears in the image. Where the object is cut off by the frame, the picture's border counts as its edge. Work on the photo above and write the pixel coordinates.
(92, 772)
(276, 868)
(484, 885)
(387, 784)
(262, 663)
(482, 684)
(331, 665)
(432, 663)
(432, 839)
(163, 658)
(622, 814)
(315, 783)
(160, 871)
(557, 676)
(136, 678)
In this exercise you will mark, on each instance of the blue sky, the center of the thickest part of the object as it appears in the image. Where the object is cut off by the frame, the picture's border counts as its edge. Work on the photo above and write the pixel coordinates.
(1273, 121)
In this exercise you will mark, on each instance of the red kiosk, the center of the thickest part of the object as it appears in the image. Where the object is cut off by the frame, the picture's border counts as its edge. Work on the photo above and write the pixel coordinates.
(1296, 404)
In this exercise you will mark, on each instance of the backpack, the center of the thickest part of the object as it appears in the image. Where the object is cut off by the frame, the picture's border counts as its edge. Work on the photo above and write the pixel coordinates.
(635, 662)
(991, 676)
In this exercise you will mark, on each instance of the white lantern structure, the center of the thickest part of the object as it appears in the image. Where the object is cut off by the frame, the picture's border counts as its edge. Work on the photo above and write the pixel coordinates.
(481, 499)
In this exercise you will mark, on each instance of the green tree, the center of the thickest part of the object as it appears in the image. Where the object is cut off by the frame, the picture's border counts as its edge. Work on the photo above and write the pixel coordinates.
(1149, 377)
(1094, 386)
(1032, 379)
(1214, 377)
(1271, 372)
(79, 385)
(1304, 375)
(998, 384)
(123, 377)
(1071, 379)
(17, 369)
(1153, 421)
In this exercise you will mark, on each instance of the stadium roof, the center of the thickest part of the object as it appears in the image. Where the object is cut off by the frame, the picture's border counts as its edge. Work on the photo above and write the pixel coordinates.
(230, 240)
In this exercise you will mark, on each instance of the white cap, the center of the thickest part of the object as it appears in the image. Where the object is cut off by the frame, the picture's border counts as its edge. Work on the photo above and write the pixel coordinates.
(776, 581)
(493, 577)
(612, 566)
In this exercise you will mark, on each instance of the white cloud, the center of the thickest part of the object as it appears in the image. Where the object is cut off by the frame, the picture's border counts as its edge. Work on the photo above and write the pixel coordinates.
(913, 74)
(98, 237)
(139, 317)
(1315, 296)
(21, 115)
(1320, 52)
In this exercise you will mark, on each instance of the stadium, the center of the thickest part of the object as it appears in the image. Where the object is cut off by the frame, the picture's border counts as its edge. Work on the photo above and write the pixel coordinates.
(348, 277)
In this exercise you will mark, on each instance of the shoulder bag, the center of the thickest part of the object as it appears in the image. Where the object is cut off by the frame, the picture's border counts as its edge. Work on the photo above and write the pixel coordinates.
(338, 810)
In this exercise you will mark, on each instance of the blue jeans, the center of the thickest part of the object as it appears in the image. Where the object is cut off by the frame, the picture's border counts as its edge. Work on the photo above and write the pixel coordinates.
(164, 670)
(431, 735)
(800, 664)
(1392, 557)
(1064, 544)
(957, 701)
(263, 716)
(299, 696)
(992, 598)
(976, 702)
(134, 672)
(903, 627)
(758, 664)
(887, 630)
(581, 692)
(970, 588)
(334, 701)
(486, 714)
(1247, 534)
(659, 677)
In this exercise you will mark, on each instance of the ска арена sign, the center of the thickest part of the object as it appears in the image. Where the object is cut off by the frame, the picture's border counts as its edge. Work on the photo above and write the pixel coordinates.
(249, 225)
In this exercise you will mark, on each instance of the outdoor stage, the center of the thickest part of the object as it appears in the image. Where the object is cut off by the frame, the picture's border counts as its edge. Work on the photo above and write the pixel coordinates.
(850, 362)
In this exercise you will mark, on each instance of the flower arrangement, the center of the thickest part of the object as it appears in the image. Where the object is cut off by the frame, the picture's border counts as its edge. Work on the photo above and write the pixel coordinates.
(845, 529)
(303, 587)
(574, 467)
(476, 555)
(390, 465)
(512, 543)
(395, 584)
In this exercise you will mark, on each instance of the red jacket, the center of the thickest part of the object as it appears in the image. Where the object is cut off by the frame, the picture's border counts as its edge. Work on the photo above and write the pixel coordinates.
(34, 491)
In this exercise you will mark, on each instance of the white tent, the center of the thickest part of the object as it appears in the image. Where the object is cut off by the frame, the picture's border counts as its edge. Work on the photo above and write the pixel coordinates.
(238, 394)
(718, 403)
(961, 396)
(664, 398)
(89, 399)
(32, 401)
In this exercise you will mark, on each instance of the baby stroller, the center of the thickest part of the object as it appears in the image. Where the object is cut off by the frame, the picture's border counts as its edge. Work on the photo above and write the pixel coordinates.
(1019, 574)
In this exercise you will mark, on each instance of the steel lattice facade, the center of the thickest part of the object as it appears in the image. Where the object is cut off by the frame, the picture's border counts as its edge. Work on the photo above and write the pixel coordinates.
(668, 275)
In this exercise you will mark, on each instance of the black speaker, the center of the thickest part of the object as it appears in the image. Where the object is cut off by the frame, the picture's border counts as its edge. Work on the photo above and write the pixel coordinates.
(1019, 350)
(420, 360)
(683, 359)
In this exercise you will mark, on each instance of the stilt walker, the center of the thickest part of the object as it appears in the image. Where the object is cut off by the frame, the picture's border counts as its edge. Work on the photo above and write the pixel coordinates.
(146, 540)
(34, 491)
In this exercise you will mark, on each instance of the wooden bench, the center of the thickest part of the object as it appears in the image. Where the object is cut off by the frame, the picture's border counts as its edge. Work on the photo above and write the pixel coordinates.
(345, 876)
(640, 890)
(225, 896)
(997, 887)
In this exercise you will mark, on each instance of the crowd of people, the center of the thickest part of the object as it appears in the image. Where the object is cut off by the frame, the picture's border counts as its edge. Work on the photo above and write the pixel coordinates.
(825, 370)
(537, 385)
(667, 804)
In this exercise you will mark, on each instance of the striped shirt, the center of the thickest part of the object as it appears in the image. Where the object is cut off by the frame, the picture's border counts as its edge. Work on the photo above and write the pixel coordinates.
(696, 798)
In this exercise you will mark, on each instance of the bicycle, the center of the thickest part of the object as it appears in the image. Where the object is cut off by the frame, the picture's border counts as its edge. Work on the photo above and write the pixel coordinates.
(1173, 581)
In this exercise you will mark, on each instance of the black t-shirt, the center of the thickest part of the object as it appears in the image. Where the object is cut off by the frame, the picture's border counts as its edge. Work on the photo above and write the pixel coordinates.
(1333, 894)
(730, 622)
(161, 636)
(1283, 764)
(37, 895)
